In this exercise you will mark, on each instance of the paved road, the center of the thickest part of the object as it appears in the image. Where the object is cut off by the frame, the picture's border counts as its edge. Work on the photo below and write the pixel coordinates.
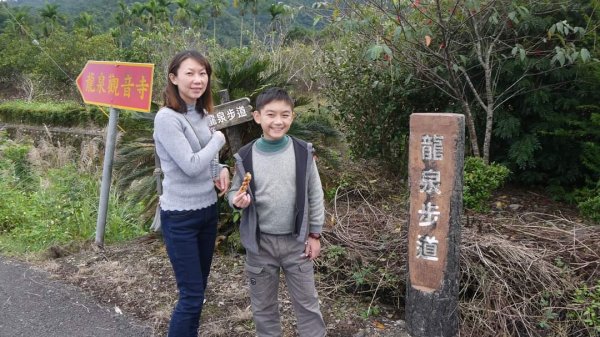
(33, 305)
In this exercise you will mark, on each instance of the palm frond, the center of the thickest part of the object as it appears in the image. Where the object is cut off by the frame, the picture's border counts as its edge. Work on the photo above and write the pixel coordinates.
(134, 160)
(319, 130)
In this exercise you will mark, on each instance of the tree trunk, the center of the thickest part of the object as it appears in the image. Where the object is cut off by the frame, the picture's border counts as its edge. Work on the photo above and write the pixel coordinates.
(241, 31)
(215, 30)
(471, 127)
(489, 112)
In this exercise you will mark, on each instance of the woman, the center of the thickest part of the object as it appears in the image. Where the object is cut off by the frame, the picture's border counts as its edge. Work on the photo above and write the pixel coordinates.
(187, 148)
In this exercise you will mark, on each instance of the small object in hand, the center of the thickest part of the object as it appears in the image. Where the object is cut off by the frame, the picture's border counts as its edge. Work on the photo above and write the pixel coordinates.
(245, 183)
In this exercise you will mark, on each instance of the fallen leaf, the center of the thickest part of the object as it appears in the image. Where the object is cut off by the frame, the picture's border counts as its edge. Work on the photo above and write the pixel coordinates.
(427, 40)
(378, 325)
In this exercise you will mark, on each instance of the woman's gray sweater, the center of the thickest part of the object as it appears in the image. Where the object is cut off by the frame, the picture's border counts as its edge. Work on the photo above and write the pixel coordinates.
(185, 161)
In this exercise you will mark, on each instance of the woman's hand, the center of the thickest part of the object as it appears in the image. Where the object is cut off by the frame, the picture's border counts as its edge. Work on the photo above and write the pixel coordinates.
(220, 136)
(222, 183)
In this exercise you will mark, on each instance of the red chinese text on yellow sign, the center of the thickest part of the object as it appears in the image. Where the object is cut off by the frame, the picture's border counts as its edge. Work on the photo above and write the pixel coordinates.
(120, 85)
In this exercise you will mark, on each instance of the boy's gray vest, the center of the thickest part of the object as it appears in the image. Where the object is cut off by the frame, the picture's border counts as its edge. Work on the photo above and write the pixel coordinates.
(249, 227)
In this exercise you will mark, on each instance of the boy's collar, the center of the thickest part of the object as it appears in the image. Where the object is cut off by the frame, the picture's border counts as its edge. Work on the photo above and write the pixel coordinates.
(275, 141)
(267, 145)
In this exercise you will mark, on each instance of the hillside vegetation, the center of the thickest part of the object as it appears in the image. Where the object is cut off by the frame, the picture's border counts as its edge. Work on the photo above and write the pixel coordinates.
(525, 74)
(227, 14)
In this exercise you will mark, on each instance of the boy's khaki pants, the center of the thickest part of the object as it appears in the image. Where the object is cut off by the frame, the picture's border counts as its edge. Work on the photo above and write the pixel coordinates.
(283, 252)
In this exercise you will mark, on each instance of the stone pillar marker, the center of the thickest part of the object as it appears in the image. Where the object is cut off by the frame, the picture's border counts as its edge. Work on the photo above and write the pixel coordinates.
(234, 131)
(436, 157)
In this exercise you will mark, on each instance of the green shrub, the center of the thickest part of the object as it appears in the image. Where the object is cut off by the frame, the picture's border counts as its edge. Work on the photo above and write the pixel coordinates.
(13, 208)
(590, 208)
(56, 206)
(19, 166)
(586, 307)
(61, 210)
(70, 51)
(586, 198)
(72, 114)
(49, 113)
(372, 99)
(13, 169)
(480, 180)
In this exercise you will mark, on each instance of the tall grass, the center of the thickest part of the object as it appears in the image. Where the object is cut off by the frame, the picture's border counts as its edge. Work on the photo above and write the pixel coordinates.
(50, 197)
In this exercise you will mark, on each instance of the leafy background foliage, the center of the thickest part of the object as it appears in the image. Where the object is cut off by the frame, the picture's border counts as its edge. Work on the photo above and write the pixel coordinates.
(357, 75)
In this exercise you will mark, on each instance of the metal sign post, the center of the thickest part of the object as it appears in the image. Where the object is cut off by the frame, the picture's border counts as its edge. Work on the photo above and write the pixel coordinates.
(109, 152)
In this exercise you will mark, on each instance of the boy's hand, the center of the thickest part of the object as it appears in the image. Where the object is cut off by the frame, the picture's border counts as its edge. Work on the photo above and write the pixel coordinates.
(312, 248)
(241, 200)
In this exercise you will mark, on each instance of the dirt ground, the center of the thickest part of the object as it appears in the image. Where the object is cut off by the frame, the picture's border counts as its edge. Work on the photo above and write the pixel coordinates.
(136, 277)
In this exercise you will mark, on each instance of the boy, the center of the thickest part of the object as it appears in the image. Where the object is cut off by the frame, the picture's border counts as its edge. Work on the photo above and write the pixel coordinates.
(282, 219)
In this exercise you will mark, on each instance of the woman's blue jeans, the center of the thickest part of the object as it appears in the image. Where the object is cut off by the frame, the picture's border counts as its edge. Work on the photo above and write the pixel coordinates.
(189, 237)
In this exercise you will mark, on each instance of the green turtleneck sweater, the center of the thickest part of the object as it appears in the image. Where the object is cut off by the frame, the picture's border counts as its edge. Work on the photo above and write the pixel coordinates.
(270, 146)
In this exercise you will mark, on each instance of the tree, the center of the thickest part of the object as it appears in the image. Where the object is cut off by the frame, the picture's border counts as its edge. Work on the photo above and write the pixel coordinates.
(544, 136)
(156, 11)
(216, 9)
(242, 7)
(279, 12)
(371, 100)
(461, 48)
(183, 12)
(15, 56)
(124, 19)
(51, 18)
(136, 12)
(85, 22)
(253, 4)
(245, 74)
(19, 21)
(198, 17)
(65, 54)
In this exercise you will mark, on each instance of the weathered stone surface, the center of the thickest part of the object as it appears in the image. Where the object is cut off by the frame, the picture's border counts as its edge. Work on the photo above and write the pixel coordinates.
(436, 156)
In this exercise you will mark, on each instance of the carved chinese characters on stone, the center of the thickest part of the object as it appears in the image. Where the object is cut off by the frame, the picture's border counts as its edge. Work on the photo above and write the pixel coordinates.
(428, 215)
(432, 180)
(427, 247)
(211, 121)
(230, 113)
(221, 117)
(432, 151)
(241, 111)
(432, 147)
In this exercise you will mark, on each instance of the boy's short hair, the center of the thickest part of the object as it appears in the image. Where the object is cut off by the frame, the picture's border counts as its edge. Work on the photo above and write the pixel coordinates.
(273, 94)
